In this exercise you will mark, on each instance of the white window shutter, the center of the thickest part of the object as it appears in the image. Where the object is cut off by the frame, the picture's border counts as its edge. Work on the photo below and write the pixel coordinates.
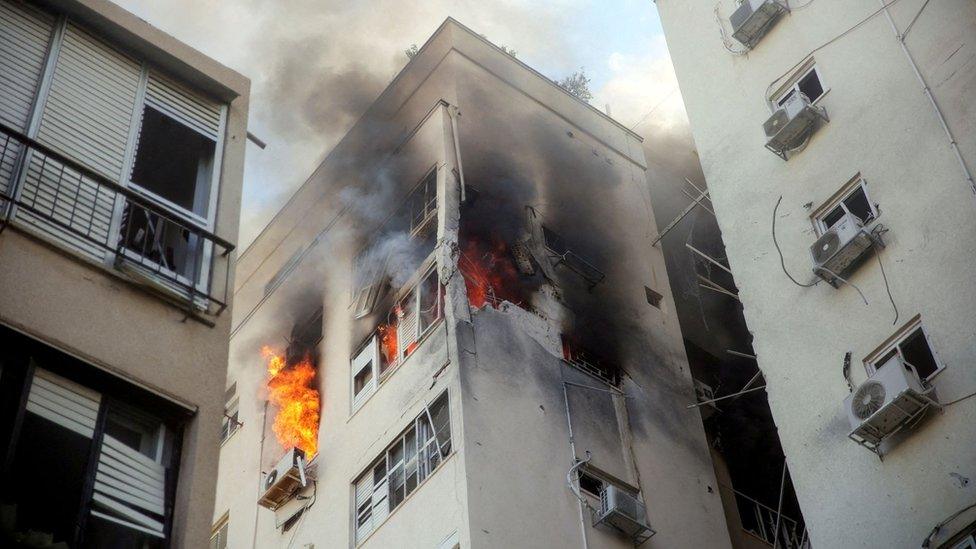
(130, 488)
(87, 117)
(189, 107)
(25, 34)
(63, 402)
(368, 357)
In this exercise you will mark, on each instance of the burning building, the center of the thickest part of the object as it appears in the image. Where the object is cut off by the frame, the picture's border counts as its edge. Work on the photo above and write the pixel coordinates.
(470, 271)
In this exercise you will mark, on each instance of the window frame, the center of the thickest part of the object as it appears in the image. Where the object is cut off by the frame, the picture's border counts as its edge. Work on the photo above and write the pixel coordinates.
(793, 86)
(220, 528)
(420, 458)
(372, 343)
(230, 422)
(856, 184)
(874, 359)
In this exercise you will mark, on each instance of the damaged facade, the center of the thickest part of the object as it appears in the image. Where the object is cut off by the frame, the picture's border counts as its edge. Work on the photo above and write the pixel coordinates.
(121, 162)
(494, 341)
(867, 352)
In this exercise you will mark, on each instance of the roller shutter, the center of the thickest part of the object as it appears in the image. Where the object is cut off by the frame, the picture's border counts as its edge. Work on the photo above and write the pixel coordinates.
(87, 117)
(183, 104)
(63, 402)
(25, 36)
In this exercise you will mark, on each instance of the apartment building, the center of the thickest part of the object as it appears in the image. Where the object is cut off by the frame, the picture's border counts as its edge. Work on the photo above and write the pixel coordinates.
(121, 161)
(837, 139)
(460, 324)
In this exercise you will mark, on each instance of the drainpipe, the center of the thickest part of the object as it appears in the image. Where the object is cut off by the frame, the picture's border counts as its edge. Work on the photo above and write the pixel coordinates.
(928, 93)
(576, 462)
(454, 112)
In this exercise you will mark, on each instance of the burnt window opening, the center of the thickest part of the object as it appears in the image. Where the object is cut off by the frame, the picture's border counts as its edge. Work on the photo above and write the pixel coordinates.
(653, 298)
(556, 245)
(855, 202)
(305, 337)
(587, 359)
(403, 244)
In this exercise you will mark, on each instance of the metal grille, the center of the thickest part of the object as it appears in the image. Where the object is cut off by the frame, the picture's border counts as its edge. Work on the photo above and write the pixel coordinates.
(77, 208)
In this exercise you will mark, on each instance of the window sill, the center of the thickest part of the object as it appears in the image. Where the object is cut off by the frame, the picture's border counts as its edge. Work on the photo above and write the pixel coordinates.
(403, 503)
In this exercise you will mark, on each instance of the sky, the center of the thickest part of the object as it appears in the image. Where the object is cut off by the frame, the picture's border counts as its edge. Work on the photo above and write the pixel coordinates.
(315, 65)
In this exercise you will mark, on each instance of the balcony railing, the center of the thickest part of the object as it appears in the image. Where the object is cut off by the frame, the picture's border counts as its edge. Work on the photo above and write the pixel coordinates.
(761, 521)
(95, 216)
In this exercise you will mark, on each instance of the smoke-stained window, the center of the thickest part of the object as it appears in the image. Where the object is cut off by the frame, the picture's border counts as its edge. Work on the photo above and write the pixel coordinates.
(403, 467)
(398, 249)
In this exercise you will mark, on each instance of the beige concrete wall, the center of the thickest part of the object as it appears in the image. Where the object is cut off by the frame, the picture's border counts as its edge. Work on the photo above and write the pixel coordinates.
(883, 127)
(96, 314)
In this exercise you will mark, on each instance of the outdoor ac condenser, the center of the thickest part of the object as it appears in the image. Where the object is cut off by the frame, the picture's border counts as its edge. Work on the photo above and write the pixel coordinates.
(753, 18)
(284, 480)
(624, 513)
(890, 399)
(790, 124)
(839, 248)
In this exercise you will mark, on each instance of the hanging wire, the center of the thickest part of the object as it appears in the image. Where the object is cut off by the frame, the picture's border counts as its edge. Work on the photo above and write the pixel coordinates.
(782, 262)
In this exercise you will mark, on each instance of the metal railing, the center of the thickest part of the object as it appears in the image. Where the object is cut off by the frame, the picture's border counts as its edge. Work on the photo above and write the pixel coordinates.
(96, 216)
(760, 520)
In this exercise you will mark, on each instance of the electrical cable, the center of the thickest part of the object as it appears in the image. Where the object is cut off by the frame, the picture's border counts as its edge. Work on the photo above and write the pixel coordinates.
(782, 262)
(301, 519)
(909, 27)
(829, 42)
(960, 399)
(887, 287)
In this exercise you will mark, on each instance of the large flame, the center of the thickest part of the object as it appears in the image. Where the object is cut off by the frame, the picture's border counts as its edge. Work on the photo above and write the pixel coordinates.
(290, 390)
(490, 274)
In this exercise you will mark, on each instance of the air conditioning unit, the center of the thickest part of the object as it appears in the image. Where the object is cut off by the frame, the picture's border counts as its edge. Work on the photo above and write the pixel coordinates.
(839, 248)
(284, 481)
(891, 399)
(622, 512)
(791, 124)
(753, 18)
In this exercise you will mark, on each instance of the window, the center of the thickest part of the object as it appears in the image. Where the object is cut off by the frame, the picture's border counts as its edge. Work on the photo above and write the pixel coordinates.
(407, 240)
(218, 540)
(403, 467)
(590, 484)
(808, 83)
(573, 261)
(231, 420)
(912, 349)
(653, 297)
(968, 542)
(411, 319)
(853, 199)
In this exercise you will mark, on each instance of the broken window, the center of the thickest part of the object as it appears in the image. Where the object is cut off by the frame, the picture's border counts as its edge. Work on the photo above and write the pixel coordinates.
(402, 467)
(589, 361)
(557, 246)
(911, 349)
(808, 84)
(418, 311)
(422, 203)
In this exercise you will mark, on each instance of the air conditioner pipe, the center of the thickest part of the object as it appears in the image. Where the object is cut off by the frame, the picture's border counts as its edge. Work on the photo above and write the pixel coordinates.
(928, 93)
(576, 460)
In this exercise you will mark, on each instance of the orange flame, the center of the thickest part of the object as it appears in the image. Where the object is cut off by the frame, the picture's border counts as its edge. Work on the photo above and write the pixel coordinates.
(388, 342)
(290, 390)
(489, 273)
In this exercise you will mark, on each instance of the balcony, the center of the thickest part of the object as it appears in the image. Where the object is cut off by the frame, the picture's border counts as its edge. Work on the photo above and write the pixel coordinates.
(58, 199)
